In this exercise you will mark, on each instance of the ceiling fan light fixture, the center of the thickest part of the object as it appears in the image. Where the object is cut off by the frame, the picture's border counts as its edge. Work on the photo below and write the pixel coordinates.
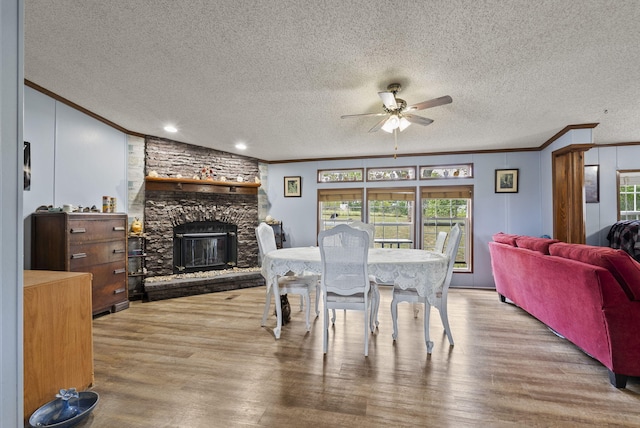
(404, 124)
(392, 123)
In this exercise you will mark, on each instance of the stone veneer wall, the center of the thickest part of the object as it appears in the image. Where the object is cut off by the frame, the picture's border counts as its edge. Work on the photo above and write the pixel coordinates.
(163, 209)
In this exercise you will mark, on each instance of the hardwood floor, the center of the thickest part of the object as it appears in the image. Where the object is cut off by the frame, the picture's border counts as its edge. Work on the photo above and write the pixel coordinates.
(204, 361)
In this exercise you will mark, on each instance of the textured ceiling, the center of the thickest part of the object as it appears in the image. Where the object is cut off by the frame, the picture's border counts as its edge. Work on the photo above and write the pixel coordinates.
(278, 74)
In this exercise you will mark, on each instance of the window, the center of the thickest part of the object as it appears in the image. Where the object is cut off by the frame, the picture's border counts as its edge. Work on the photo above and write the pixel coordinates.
(442, 207)
(339, 175)
(446, 171)
(338, 206)
(629, 195)
(391, 174)
(392, 212)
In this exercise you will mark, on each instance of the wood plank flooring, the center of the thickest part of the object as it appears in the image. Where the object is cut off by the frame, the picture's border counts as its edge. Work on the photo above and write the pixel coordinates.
(204, 361)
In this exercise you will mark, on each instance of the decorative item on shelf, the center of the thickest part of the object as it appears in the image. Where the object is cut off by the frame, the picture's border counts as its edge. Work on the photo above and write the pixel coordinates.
(205, 174)
(153, 174)
(109, 205)
(257, 180)
(223, 178)
(178, 175)
(240, 179)
(136, 226)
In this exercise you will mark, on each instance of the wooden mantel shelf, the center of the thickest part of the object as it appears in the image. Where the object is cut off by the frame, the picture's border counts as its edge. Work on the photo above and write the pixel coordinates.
(199, 186)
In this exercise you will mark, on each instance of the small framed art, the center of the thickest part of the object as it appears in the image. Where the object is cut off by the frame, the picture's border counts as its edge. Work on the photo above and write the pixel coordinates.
(292, 187)
(591, 184)
(507, 180)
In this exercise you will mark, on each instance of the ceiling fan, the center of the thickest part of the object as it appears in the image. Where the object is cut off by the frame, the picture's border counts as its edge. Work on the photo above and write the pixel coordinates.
(397, 115)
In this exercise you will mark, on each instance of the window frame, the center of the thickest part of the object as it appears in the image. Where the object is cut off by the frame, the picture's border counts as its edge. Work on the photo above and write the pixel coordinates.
(452, 192)
(618, 184)
(336, 192)
(411, 195)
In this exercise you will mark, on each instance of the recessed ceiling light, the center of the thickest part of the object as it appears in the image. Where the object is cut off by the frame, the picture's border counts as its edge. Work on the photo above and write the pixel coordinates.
(241, 146)
(170, 128)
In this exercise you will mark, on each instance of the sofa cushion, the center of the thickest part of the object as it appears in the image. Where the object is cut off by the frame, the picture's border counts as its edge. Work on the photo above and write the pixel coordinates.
(540, 245)
(505, 238)
(623, 268)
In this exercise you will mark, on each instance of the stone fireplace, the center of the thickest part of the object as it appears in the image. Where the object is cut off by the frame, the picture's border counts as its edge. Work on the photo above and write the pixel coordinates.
(215, 223)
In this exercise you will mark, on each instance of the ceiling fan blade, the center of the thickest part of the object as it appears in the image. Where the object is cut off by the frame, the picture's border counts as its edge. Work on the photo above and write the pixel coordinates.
(378, 125)
(389, 100)
(418, 120)
(346, 116)
(431, 103)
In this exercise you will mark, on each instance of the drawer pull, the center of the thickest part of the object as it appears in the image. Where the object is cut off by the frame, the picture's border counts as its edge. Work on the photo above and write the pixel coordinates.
(79, 230)
(78, 256)
(118, 228)
(117, 271)
(118, 291)
(118, 251)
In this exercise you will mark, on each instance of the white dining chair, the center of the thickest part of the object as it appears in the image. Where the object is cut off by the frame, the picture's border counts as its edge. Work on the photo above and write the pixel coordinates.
(371, 230)
(411, 294)
(440, 240)
(288, 284)
(345, 280)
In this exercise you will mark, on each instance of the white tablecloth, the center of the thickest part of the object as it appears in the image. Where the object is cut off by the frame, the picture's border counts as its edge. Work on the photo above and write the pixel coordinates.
(408, 268)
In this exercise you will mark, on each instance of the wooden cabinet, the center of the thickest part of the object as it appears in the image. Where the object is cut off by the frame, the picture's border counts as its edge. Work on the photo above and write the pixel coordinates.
(85, 242)
(58, 342)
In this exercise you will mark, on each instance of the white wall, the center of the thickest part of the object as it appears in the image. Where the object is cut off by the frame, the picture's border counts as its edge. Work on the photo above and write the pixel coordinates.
(492, 212)
(75, 159)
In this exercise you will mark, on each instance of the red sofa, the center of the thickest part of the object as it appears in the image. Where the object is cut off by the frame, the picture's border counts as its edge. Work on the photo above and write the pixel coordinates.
(589, 295)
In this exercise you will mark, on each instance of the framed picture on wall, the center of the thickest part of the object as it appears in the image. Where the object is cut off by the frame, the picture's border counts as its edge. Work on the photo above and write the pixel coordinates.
(507, 180)
(292, 187)
(27, 165)
(591, 184)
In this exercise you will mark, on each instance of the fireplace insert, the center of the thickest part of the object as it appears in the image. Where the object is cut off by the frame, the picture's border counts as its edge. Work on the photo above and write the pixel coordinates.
(203, 246)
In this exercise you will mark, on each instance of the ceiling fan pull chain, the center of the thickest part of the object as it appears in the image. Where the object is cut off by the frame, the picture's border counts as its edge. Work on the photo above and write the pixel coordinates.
(395, 137)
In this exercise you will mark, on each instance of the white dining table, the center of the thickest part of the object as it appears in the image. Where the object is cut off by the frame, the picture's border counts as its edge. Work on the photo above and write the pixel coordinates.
(407, 268)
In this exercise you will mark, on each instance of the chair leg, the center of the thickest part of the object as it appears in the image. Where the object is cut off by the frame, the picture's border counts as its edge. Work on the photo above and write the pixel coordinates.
(267, 305)
(301, 302)
(307, 303)
(374, 309)
(333, 317)
(427, 313)
(445, 320)
(317, 300)
(394, 317)
(366, 331)
(325, 328)
(416, 309)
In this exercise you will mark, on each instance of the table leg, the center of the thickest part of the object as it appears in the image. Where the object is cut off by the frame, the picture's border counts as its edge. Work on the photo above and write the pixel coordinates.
(276, 294)
(267, 306)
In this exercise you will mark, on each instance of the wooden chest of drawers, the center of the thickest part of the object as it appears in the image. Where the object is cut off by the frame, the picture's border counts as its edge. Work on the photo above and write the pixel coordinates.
(85, 242)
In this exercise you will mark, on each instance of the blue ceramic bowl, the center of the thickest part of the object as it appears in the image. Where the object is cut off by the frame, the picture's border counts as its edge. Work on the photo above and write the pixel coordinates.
(44, 416)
